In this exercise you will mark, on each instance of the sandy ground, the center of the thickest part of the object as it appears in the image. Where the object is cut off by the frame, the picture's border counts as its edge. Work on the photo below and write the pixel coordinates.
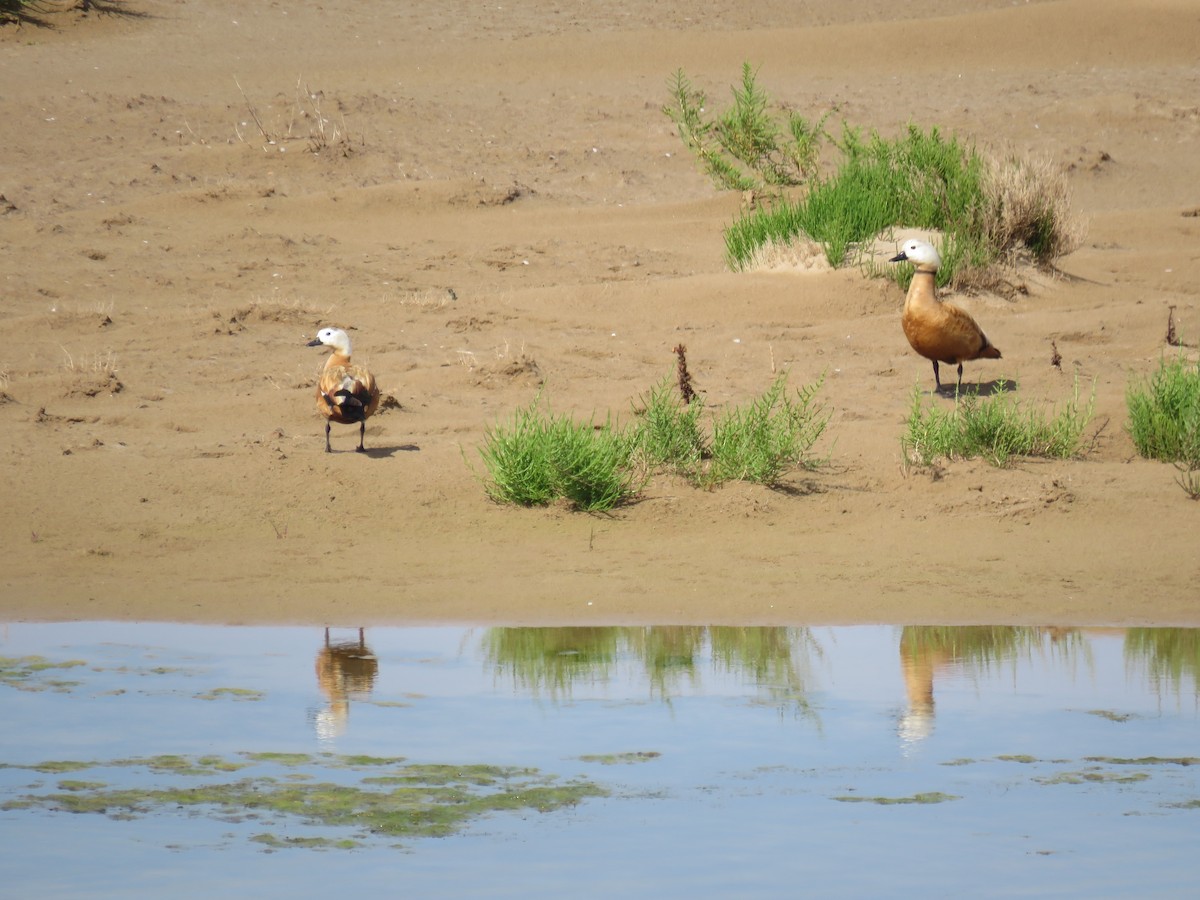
(497, 206)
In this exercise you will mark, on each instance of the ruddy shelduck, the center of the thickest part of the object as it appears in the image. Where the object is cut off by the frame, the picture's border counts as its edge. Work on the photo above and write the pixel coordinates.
(346, 393)
(939, 331)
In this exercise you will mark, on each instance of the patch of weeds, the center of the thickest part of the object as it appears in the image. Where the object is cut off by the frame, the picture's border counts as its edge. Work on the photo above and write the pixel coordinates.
(540, 457)
(669, 434)
(228, 693)
(761, 441)
(994, 428)
(928, 797)
(743, 147)
(612, 759)
(1017, 758)
(323, 133)
(1164, 419)
(991, 206)
(1146, 760)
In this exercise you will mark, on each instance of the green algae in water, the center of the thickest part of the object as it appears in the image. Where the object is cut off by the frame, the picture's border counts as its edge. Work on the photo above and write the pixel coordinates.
(1112, 716)
(53, 766)
(274, 842)
(1093, 776)
(228, 693)
(927, 797)
(612, 759)
(27, 673)
(281, 759)
(414, 801)
(71, 784)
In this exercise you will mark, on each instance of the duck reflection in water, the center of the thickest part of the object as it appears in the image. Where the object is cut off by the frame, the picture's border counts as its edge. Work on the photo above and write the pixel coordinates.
(930, 651)
(346, 670)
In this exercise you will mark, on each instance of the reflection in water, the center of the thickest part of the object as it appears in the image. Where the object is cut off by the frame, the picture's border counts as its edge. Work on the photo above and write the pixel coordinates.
(1171, 657)
(346, 670)
(1054, 763)
(926, 651)
(553, 660)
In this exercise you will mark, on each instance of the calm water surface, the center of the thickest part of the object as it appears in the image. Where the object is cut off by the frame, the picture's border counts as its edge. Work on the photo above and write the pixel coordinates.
(865, 761)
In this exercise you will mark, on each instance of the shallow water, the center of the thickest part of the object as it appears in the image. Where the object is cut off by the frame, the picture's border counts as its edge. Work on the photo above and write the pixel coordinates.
(862, 761)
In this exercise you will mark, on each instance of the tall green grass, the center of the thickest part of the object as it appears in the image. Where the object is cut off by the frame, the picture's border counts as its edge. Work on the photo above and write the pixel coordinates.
(1164, 419)
(994, 428)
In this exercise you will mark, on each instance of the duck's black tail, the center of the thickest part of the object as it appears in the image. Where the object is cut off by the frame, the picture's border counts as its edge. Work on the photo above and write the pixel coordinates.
(350, 405)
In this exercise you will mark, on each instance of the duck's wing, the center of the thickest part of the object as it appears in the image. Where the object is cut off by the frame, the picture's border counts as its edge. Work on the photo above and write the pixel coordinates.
(962, 337)
(347, 393)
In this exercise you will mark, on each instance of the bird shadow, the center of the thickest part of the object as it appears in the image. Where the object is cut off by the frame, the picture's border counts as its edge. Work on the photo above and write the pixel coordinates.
(979, 389)
(385, 452)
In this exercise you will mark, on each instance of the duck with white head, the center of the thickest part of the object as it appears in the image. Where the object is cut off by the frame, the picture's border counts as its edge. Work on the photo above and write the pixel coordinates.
(346, 393)
(938, 331)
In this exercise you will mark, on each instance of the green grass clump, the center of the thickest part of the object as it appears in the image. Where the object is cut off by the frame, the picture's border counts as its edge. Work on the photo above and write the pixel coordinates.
(759, 442)
(670, 435)
(994, 428)
(1164, 419)
(988, 206)
(919, 179)
(539, 458)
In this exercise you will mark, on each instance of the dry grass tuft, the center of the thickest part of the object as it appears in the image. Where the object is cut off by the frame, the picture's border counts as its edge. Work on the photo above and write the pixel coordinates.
(1031, 207)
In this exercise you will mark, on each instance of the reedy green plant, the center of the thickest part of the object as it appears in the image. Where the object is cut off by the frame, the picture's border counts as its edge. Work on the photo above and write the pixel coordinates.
(1164, 419)
(994, 428)
(590, 466)
(743, 148)
(516, 457)
(759, 442)
(669, 435)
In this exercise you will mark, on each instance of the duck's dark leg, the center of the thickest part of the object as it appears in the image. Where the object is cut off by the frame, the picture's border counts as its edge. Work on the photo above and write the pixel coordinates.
(328, 449)
(960, 378)
(937, 377)
(362, 433)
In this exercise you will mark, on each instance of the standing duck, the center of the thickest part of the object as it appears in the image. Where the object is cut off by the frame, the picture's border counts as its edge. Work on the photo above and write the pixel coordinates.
(345, 393)
(938, 331)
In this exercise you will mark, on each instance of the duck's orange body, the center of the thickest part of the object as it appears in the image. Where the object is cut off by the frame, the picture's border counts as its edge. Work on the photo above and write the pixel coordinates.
(938, 331)
(346, 393)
